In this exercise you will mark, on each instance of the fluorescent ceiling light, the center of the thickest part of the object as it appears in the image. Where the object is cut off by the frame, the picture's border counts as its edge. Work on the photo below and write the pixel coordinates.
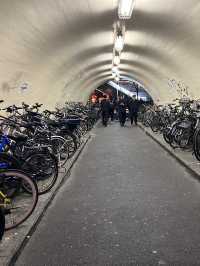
(115, 70)
(119, 43)
(125, 9)
(116, 60)
(113, 74)
(117, 78)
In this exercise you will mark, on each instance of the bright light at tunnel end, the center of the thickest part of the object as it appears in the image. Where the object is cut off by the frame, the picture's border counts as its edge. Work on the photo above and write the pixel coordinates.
(125, 9)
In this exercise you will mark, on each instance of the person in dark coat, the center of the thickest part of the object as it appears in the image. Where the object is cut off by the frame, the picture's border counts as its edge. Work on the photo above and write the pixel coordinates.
(133, 107)
(112, 110)
(105, 110)
(121, 107)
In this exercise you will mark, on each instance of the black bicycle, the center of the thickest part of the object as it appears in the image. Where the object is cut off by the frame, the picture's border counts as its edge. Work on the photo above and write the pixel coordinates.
(15, 203)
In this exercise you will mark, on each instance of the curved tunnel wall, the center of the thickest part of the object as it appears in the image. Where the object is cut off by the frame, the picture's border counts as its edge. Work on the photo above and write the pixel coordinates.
(53, 51)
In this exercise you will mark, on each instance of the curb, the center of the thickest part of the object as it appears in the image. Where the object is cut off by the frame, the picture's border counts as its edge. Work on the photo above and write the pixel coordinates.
(167, 148)
(63, 179)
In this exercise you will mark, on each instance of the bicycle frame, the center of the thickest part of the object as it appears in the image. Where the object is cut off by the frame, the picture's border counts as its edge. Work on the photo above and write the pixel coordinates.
(4, 141)
(5, 200)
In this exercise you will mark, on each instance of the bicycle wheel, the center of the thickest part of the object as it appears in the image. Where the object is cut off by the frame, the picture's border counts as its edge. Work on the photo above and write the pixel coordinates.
(83, 128)
(196, 144)
(90, 123)
(43, 168)
(175, 134)
(60, 149)
(155, 124)
(78, 136)
(18, 208)
(185, 139)
(167, 135)
(175, 138)
(72, 143)
(2, 223)
(9, 162)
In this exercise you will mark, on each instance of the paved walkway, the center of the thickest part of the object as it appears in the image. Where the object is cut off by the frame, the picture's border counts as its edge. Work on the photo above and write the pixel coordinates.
(127, 203)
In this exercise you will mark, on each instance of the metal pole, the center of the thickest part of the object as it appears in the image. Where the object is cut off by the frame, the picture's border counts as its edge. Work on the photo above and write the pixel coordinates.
(99, 91)
(137, 90)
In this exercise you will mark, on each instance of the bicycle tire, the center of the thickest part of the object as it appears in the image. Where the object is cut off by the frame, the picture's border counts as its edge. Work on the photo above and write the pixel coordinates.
(74, 140)
(196, 144)
(24, 178)
(184, 141)
(155, 124)
(167, 135)
(34, 169)
(10, 163)
(60, 149)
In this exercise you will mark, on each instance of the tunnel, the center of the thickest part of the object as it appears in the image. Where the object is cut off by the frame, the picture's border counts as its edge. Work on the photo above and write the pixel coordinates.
(99, 132)
(56, 50)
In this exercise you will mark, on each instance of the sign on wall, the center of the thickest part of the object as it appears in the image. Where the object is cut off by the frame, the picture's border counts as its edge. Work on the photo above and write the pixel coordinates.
(179, 87)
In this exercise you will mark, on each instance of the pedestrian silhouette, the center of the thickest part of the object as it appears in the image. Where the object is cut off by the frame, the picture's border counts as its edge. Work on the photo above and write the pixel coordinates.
(121, 108)
(133, 107)
(105, 110)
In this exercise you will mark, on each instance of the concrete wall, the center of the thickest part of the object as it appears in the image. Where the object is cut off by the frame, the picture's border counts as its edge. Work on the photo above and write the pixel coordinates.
(57, 50)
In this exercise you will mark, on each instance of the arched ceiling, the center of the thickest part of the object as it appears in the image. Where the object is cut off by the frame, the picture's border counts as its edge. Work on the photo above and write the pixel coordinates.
(62, 50)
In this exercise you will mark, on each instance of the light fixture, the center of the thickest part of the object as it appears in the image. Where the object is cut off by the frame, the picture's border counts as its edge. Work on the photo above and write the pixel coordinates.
(119, 43)
(117, 78)
(116, 60)
(125, 9)
(113, 74)
(115, 70)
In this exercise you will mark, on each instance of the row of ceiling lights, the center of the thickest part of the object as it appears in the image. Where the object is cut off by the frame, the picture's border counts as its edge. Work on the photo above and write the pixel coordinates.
(125, 10)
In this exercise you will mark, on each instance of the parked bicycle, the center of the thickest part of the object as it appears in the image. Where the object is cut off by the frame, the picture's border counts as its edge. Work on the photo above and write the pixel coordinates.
(179, 124)
(15, 203)
(34, 144)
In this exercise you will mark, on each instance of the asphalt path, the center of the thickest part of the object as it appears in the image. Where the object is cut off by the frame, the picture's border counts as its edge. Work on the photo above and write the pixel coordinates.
(127, 202)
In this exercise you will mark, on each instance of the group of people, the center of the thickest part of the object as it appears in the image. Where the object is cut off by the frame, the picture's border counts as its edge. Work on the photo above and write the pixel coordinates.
(121, 105)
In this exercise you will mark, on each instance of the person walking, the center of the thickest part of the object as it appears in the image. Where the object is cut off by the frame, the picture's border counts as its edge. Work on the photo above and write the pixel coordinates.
(112, 110)
(133, 107)
(105, 110)
(121, 106)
